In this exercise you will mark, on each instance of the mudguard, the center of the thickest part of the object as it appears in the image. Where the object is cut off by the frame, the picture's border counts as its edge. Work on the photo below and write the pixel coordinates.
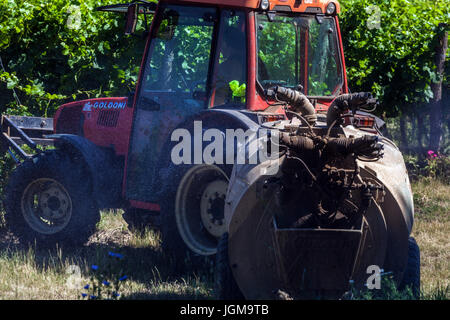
(220, 119)
(398, 206)
(105, 168)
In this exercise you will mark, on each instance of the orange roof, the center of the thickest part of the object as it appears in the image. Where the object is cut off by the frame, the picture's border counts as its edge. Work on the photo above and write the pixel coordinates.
(295, 5)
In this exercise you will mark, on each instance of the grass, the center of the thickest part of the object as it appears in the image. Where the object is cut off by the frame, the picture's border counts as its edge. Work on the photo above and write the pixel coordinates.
(60, 273)
(431, 230)
(29, 273)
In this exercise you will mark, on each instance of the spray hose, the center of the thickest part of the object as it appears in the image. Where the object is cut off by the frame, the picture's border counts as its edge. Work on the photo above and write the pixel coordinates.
(298, 101)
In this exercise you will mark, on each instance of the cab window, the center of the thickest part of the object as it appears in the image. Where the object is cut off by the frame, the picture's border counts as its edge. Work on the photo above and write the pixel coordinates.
(230, 72)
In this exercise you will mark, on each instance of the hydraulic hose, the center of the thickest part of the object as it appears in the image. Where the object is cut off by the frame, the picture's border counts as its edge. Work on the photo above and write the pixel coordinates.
(298, 101)
(297, 142)
(366, 145)
(347, 101)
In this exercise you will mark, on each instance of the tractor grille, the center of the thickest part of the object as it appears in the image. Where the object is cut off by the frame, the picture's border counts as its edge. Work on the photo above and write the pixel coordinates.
(108, 118)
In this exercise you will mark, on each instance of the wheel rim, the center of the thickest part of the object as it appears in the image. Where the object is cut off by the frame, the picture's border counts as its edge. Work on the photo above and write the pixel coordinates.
(46, 206)
(199, 208)
(212, 207)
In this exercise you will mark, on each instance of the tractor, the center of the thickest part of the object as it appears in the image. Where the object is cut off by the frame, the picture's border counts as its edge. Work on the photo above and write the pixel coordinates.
(331, 200)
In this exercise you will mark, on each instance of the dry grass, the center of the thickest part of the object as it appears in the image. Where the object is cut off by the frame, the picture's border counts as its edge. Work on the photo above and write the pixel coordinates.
(432, 230)
(27, 273)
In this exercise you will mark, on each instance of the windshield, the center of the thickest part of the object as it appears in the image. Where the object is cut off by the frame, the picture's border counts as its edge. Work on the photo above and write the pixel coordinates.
(298, 50)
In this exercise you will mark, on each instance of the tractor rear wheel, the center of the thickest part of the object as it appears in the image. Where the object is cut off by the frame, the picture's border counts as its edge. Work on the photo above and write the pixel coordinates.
(48, 200)
(192, 211)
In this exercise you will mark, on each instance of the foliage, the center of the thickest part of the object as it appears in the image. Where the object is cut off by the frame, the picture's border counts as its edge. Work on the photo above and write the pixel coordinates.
(6, 165)
(238, 90)
(396, 60)
(434, 166)
(438, 166)
(56, 51)
(388, 291)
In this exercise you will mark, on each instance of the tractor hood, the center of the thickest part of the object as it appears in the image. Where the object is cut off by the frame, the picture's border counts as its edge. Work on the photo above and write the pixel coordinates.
(103, 121)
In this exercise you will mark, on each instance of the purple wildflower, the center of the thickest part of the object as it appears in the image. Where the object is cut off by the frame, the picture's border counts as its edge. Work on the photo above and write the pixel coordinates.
(116, 255)
(123, 278)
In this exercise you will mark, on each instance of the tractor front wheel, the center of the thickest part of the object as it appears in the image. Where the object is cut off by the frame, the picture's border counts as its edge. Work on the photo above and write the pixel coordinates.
(48, 200)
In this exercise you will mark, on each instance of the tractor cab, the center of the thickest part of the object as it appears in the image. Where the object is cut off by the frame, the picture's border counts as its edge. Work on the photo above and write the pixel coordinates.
(205, 54)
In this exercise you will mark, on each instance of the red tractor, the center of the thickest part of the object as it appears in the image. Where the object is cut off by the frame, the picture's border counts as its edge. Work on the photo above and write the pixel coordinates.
(231, 66)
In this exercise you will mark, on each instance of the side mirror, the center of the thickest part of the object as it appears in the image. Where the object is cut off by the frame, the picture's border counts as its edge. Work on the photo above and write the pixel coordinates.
(132, 18)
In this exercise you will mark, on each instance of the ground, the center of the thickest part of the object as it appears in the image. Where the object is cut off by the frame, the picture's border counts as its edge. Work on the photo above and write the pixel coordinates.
(26, 273)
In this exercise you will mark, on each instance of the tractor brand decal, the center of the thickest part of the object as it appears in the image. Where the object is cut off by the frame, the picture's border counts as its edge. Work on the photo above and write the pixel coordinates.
(104, 105)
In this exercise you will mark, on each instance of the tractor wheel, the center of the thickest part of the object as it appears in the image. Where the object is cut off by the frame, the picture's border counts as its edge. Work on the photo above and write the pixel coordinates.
(225, 286)
(192, 212)
(48, 201)
(411, 277)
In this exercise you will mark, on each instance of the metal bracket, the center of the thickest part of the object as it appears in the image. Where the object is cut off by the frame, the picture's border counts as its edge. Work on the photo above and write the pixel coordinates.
(16, 131)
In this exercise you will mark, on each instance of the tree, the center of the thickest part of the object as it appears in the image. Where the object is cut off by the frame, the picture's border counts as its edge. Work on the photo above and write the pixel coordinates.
(437, 101)
(57, 51)
(390, 50)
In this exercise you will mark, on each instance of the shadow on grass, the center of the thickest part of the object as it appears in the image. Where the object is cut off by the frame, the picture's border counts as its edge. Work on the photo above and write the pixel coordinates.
(158, 273)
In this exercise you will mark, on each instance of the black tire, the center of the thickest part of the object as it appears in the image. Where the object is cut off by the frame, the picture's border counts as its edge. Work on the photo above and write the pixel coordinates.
(411, 277)
(172, 242)
(225, 286)
(54, 182)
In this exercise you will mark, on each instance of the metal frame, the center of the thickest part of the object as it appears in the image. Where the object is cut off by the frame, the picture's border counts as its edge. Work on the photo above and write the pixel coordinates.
(16, 131)
(145, 7)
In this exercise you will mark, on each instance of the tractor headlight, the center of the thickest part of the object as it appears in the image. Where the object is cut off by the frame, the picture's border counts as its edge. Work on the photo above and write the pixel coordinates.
(265, 4)
(331, 8)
